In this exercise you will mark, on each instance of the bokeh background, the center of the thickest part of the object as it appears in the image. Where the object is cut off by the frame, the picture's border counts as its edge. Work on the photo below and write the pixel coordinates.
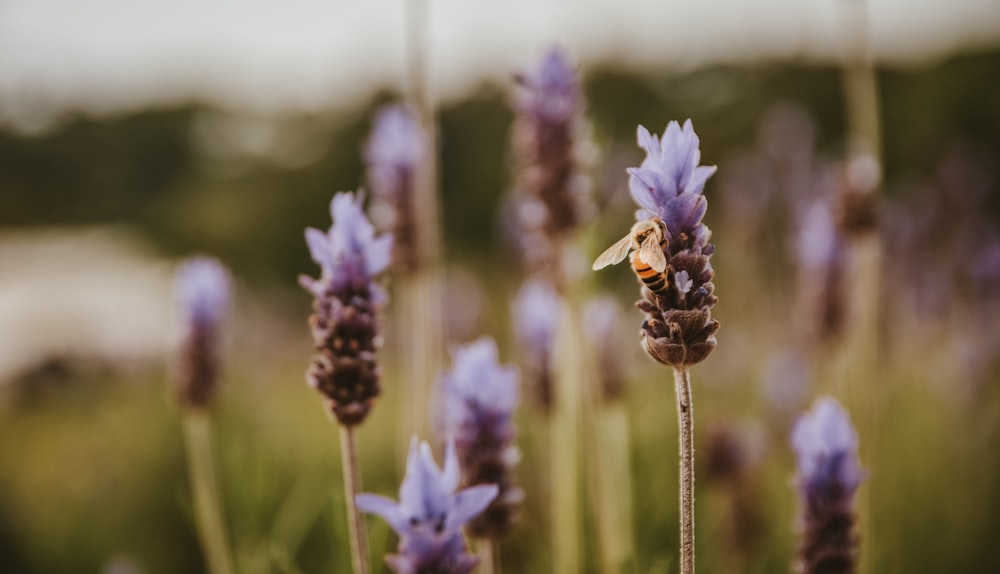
(133, 134)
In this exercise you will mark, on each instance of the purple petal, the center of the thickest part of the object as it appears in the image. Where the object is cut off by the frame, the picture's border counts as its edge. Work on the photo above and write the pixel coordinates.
(470, 502)
(450, 476)
(378, 255)
(202, 290)
(319, 248)
(387, 508)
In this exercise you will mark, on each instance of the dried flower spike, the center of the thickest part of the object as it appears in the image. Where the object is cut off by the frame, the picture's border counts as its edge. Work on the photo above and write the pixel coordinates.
(430, 514)
(826, 450)
(397, 147)
(344, 324)
(668, 186)
(202, 288)
(478, 398)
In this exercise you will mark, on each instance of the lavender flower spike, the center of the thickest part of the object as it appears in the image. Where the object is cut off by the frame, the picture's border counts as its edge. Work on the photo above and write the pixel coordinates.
(394, 153)
(344, 324)
(478, 398)
(551, 189)
(668, 186)
(826, 449)
(430, 514)
(536, 317)
(202, 289)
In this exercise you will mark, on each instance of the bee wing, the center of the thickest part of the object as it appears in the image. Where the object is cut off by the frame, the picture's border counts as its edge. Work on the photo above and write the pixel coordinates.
(614, 254)
(651, 253)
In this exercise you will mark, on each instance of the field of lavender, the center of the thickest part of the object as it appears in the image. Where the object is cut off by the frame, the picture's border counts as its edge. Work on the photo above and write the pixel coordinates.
(808, 381)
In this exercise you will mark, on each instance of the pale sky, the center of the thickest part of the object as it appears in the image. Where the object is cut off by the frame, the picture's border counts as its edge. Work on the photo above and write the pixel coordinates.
(261, 56)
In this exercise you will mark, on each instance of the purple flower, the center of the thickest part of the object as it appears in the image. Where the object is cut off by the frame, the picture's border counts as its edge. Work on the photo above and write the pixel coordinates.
(344, 324)
(394, 153)
(478, 398)
(602, 317)
(551, 192)
(551, 90)
(536, 318)
(430, 514)
(822, 257)
(349, 254)
(826, 450)
(669, 182)
(202, 288)
(679, 329)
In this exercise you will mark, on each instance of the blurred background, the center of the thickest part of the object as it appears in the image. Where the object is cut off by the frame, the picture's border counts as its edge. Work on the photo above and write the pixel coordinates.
(136, 133)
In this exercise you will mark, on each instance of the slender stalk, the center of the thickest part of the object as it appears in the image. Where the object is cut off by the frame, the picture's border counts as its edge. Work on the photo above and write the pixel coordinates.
(352, 484)
(489, 556)
(612, 468)
(566, 516)
(861, 101)
(685, 422)
(204, 484)
(422, 289)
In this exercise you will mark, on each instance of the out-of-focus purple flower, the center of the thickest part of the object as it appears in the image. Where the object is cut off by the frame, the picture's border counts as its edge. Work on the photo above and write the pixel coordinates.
(552, 193)
(551, 90)
(430, 514)
(826, 451)
(478, 397)
(394, 154)
(679, 329)
(602, 317)
(669, 182)
(346, 297)
(536, 318)
(202, 288)
(822, 268)
(349, 254)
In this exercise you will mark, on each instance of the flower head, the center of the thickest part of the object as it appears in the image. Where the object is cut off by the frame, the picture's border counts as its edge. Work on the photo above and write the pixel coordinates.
(536, 318)
(478, 397)
(349, 254)
(668, 186)
(826, 450)
(202, 288)
(551, 192)
(430, 514)
(551, 90)
(344, 325)
(669, 182)
(602, 317)
(395, 151)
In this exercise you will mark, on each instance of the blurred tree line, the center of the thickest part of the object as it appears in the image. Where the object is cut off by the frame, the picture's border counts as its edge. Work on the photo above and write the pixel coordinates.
(151, 168)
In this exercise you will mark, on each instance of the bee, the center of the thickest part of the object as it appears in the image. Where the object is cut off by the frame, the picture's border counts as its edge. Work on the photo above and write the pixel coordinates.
(646, 242)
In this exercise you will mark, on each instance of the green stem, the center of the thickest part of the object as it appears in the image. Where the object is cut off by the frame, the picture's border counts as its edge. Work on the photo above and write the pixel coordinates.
(204, 485)
(352, 484)
(685, 422)
(489, 556)
(566, 517)
(612, 469)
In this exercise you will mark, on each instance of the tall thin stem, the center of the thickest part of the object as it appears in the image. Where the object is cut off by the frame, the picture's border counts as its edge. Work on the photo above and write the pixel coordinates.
(565, 424)
(423, 312)
(489, 556)
(204, 484)
(352, 484)
(685, 422)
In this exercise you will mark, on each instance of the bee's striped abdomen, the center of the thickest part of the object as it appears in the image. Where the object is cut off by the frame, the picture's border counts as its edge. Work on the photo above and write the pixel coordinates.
(653, 279)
